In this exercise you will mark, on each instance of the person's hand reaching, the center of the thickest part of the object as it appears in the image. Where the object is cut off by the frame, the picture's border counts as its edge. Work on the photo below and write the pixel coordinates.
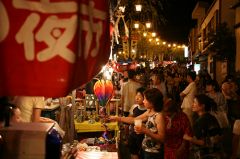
(113, 118)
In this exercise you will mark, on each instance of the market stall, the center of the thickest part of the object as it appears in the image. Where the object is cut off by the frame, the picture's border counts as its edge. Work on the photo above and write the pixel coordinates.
(95, 133)
(95, 127)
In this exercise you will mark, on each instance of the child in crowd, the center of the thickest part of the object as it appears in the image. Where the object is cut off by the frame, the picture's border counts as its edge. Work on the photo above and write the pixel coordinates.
(9, 113)
(135, 140)
(15, 115)
(154, 129)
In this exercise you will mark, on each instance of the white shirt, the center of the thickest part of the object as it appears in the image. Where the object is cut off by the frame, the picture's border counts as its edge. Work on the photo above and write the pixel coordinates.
(134, 106)
(128, 92)
(26, 104)
(190, 92)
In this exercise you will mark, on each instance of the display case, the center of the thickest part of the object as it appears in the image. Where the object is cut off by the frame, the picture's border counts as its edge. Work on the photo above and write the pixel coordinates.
(31, 140)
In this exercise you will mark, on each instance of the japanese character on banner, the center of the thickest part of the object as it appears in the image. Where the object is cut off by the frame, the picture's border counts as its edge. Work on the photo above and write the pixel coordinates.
(48, 48)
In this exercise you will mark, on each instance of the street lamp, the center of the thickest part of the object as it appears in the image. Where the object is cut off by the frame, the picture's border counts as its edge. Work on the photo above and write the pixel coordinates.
(154, 34)
(138, 7)
(148, 25)
(136, 25)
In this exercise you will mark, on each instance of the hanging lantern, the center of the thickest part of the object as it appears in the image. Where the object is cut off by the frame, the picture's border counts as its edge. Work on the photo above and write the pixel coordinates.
(136, 25)
(148, 25)
(154, 34)
(57, 45)
(138, 7)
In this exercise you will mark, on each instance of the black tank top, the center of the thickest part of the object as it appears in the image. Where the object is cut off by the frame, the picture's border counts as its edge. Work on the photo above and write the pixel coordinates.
(137, 111)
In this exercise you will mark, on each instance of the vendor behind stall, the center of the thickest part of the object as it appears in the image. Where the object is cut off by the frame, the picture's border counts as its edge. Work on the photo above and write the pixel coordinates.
(30, 107)
(30, 111)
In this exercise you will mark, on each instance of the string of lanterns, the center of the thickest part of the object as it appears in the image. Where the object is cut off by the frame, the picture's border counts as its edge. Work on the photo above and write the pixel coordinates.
(136, 31)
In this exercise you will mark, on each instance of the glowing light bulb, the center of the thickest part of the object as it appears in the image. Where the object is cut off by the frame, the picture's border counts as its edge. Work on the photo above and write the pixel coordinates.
(136, 25)
(148, 25)
(138, 7)
(154, 34)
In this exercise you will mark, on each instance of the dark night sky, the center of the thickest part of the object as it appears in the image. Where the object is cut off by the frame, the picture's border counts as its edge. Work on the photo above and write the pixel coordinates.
(178, 18)
(178, 21)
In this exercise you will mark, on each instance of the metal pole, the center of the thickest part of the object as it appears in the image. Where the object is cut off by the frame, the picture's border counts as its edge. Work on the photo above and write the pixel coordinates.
(130, 29)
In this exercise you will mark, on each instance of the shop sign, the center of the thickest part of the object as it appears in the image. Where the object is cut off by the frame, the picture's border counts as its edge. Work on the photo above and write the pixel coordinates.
(48, 48)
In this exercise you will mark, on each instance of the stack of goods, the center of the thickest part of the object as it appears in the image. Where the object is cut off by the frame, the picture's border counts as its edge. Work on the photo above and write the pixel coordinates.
(88, 145)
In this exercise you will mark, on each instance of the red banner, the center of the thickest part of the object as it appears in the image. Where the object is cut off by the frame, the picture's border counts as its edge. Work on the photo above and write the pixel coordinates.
(48, 48)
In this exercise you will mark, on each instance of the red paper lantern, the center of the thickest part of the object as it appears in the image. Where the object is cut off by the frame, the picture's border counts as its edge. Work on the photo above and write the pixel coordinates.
(51, 48)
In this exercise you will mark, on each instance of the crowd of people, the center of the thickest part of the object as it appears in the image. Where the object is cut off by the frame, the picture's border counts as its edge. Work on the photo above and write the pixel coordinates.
(186, 115)
(183, 114)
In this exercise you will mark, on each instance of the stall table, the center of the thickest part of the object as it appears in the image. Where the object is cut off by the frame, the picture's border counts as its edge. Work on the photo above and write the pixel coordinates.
(95, 127)
(97, 155)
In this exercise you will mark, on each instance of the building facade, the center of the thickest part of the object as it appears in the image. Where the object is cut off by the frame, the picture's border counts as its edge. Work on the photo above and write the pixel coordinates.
(237, 32)
(209, 17)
